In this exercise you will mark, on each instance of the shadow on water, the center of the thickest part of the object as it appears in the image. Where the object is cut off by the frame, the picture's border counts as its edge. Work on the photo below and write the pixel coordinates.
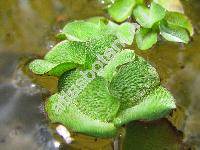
(27, 31)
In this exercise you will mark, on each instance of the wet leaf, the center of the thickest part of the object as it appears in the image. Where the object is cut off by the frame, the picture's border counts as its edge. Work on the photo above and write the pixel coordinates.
(174, 33)
(145, 38)
(178, 19)
(148, 17)
(121, 9)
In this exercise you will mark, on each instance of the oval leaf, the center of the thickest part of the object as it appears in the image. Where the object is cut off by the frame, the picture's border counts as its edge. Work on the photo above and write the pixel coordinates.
(178, 19)
(121, 9)
(145, 38)
(174, 33)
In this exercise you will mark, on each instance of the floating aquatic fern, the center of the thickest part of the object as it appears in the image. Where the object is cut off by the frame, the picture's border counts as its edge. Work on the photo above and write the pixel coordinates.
(126, 88)
(163, 17)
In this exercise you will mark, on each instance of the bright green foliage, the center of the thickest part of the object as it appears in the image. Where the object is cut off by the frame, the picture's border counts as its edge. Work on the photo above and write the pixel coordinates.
(178, 19)
(169, 11)
(174, 33)
(133, 92)
(148, 17)
(98, 26)
(125, 88)
(155, 105)
(130, 86)
(83, 31)
(121, 9)
(77, 121)
(145, 38)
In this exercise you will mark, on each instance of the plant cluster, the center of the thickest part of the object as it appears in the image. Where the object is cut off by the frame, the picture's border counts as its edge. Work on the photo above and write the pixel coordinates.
(160, 18)
(127, 88)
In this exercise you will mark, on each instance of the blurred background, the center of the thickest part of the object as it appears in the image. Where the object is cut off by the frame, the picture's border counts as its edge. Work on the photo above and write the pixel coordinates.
(27, 31)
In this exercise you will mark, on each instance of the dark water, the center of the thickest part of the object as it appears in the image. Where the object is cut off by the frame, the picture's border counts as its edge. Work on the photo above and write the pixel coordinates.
(27, 31)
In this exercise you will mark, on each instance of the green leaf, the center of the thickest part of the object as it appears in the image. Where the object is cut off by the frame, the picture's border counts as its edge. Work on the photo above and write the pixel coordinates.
(71, 54)
(121, 58)
(145, 38)
(63, 57)
(174, 33)
(89, 111)
(96, 27)
(171, 5)
(148, 17)
(82, 30)
(98, 47)
(125, 32)
(178, 19)
(155, 105)
(121, 9)
(133, 81)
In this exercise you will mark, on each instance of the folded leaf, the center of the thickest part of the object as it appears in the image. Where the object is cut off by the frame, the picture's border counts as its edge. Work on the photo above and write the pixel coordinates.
(148, 17)
(145, 38)
(70, 54)
(133, 81)
(155, 105)
(120, 58)
(171, 5)
(77, 121)
(121, 9)
(63, 57)
(178, 19)
(174, 33)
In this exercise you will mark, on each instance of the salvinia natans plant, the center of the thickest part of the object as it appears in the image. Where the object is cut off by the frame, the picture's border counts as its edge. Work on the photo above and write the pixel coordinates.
(162, 17)
(127, 87)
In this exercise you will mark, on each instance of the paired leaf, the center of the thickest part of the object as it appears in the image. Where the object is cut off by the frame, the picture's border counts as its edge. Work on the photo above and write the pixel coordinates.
(145, 38)
(178, 19)
(121, 9)
(148, 17)
(71, 54)
(174, 33)
(96, 27)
